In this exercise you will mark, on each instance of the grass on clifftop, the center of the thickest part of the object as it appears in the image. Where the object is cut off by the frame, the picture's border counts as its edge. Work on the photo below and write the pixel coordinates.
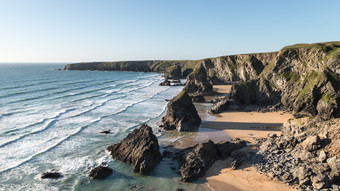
(332, 49)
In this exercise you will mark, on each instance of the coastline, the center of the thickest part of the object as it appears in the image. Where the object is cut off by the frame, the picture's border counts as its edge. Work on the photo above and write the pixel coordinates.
(229, 125)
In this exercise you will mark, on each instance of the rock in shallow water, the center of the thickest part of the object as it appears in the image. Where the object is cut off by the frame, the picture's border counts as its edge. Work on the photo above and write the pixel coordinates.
(51, 174)
(140, 148)
(100, 172)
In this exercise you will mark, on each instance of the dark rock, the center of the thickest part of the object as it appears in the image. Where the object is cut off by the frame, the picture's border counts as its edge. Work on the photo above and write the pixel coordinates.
(165, 83)
(51, 174)
(180, 189)
(100, 172)
(181, 114)
(173, 72)
(203, 156)
(198, 98)
(225, 148)
(105, 132)
(139, 148)
(198, 81)
(200, 159)
(236, 163)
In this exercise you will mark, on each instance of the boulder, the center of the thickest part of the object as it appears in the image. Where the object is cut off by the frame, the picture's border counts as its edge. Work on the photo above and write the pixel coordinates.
(181, 114)
(100, 172)
(51, 174)
(140, 148)
(199, 160)
(202, 156)
(311, 143)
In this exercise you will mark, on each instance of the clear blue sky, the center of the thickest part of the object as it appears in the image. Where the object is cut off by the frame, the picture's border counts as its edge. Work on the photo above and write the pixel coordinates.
(103, 30)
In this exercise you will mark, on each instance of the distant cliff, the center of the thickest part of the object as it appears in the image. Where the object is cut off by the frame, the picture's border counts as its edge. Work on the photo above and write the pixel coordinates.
(137, 66)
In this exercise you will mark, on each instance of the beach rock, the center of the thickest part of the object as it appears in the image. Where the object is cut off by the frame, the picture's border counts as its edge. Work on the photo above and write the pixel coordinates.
(51, 174)
(181, 114)
(165, 83)
(202, 156)
(226, 148)
(140, 148)
(198, 82)
(100, 172)
(199, 160)
(106, 132)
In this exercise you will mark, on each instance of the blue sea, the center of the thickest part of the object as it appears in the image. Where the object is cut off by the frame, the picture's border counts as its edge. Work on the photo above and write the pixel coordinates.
(51, 119)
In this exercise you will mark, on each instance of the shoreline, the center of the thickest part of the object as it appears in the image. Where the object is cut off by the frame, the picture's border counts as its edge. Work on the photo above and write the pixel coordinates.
(228, 125)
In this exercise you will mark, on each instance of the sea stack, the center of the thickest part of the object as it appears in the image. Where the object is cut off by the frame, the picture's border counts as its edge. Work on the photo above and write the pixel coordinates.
(139, 148)
(181, 114)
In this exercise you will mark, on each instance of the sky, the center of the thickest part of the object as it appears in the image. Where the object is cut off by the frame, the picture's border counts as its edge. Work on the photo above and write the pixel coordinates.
(66, 31)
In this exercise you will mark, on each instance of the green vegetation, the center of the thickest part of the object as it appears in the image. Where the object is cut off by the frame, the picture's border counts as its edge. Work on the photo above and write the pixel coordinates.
(310, 81)
(267, 69)
(248, 86)
(328, 98)
(290, 76)
(332, 49)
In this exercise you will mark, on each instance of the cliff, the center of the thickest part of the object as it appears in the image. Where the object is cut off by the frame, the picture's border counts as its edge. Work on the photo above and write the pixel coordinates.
(304, 78)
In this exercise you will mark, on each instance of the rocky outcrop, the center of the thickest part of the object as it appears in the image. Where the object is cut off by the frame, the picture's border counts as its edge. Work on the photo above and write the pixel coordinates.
(302, 78)
(181, 114)
(100, 172)
(140, 148)
(173, 72)
(198, 82)
(307, 154)
(203, 156)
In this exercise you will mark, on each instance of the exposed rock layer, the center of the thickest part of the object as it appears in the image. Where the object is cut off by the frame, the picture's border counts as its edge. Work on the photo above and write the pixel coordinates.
(140, 148)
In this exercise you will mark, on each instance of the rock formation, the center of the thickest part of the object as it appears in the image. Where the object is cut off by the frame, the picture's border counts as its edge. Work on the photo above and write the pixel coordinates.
(181, 114)
(100, 172)
(198, 82)
(173, 72)
(140, 148)
(307, 154)
(51, 174)
(303, 78)
(203, 156)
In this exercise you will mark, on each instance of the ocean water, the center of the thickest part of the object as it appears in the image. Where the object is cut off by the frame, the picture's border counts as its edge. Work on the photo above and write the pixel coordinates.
(51, 119)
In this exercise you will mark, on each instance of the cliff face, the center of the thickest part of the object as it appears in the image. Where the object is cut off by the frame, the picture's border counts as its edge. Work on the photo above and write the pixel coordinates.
(185, 67)
(303, 78)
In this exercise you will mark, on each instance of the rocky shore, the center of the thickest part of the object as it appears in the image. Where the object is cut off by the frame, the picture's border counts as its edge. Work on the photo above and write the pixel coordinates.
(303, 79)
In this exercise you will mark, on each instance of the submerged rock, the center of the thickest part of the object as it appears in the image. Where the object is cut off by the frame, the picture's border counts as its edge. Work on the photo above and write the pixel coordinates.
(51, 174)
(181, 114)
(100, 172)
(106, 132)
(140, 148)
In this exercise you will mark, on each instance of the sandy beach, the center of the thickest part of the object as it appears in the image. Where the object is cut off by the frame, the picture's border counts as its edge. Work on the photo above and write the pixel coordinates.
(246, 126)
